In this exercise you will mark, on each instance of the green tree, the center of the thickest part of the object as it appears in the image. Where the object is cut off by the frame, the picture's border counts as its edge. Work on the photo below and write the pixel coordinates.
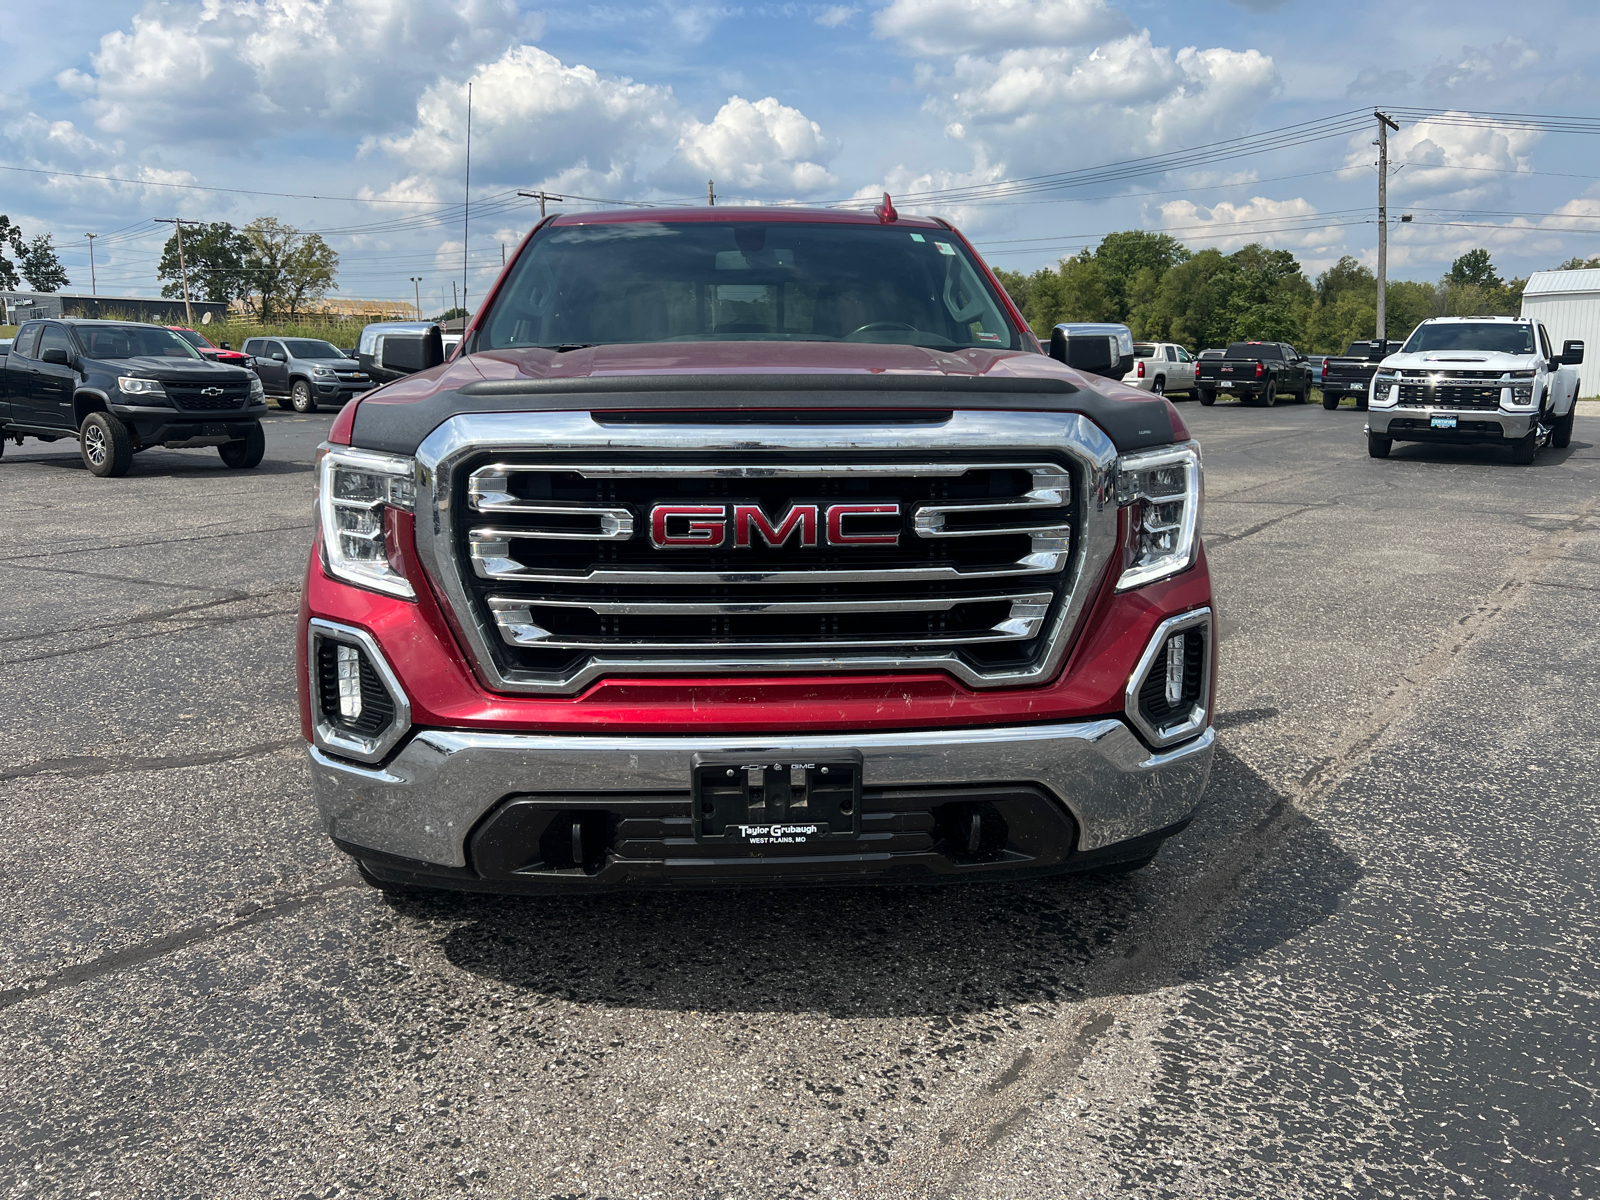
(10, 238)
(288, 270)
(1409, 304)
(40, 265)
(1475, 269)
(1190, 299)
(215, 255)
(1580, 264)
(1132, 263)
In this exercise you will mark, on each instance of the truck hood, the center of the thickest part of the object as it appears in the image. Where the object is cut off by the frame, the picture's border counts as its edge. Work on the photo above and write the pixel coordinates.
(697, 376)
(1445, 361)
(179, 370)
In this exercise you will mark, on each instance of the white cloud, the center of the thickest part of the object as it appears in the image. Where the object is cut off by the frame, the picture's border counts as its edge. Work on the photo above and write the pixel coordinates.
(1227, 226)
(941, 27)
(903, 181)
(281, 65)
(535, 119)
(839, 14)
(762, 146)
(1432, 158)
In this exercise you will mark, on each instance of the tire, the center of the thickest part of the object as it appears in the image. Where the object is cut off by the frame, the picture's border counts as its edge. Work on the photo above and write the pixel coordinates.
(1305, 395)
(1206, 396)
(246, 453)
(1378, 447)
(1561, 435)
(1524, 449)
(1330, 401)
(1268, 396)
(300, 397)
(1159, 387)
(105, 445)
(283, 403)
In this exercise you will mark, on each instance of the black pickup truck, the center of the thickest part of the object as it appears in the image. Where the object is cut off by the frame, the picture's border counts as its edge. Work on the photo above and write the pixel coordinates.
(119, 387)
(1351, 374)
(1256, 372)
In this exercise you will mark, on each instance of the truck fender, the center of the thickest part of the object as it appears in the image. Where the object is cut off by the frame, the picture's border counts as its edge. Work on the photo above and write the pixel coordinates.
(86, 401)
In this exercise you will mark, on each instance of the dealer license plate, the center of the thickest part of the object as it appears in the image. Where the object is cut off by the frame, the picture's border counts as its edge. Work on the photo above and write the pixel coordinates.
(1443, 422)
(768, 802)
(1224, 383)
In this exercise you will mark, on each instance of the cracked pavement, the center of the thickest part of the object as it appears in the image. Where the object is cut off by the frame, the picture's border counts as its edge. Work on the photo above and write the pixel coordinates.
(1369, 967)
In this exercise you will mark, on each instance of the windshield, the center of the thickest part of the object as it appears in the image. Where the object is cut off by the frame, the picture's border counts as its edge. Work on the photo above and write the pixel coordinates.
(654, 281)
(1497, 337)
(311, 348)
(193, 338)
(133, 341)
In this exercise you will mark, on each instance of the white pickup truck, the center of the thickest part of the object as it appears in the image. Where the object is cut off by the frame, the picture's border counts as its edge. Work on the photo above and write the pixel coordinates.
(1162, 368)
(1476, 379)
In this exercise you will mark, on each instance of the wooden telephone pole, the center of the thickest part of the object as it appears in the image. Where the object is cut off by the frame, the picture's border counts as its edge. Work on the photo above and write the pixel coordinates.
(1384, 125)
(183, 270)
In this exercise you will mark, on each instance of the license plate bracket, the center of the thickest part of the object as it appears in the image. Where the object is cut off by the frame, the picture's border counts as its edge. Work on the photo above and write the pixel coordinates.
(771, 800)
(1443, 423)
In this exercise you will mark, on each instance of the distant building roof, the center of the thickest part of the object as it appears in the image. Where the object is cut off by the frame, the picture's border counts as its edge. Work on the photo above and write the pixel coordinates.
(1545, 283)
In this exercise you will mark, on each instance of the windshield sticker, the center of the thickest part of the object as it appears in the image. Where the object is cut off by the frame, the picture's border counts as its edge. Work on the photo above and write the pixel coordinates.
(988, 337)
(946, 248)
(917, 237)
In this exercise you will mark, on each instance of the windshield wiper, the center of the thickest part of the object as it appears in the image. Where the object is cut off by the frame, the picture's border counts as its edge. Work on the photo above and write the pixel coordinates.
(565, 346)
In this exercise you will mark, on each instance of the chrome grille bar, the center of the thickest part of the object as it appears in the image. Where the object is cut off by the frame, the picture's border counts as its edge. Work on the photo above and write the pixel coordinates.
(673, 608)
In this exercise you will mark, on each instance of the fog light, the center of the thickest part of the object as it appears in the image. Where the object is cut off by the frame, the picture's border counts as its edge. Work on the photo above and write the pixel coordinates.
(1174, 670)
(349, 666)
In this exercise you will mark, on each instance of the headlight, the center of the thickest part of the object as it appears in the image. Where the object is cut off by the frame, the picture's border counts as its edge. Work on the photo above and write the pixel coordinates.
(1387, 377)
(355, 490)
(324, 372)
(141, 387)
(257, 392)
(1164, 490)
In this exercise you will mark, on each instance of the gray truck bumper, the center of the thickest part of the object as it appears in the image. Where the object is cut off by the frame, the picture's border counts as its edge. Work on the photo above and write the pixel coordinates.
(1414, 424)
(1094, 782)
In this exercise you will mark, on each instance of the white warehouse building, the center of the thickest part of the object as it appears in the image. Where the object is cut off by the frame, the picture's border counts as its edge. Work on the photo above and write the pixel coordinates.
(1568, 302)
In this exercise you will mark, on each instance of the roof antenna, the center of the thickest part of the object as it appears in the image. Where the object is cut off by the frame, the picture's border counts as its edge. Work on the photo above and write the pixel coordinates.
(885, 212)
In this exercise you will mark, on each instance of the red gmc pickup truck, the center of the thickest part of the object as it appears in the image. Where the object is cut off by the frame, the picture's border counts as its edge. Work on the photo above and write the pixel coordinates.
(754, 546)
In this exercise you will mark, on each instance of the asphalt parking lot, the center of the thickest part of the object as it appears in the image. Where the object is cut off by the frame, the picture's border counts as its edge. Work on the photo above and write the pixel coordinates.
(1369, 969)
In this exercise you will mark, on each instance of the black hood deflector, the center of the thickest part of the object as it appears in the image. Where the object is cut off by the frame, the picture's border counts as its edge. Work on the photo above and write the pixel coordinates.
(1132, 424)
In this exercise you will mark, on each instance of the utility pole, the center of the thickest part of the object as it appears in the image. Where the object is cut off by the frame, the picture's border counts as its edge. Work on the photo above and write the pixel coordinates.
(416, 286)
(711, 192)
(502, 254)
(183, 271)
(1384, 125)
(94, 290)
(541, 197)
(466, 207)
(453, 304)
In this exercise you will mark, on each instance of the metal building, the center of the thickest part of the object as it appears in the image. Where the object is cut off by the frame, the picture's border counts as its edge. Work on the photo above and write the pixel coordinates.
(16, 307)
(1568, 302)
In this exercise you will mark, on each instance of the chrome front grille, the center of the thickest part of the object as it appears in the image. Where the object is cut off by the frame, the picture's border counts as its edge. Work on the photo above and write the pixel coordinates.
(561, 568)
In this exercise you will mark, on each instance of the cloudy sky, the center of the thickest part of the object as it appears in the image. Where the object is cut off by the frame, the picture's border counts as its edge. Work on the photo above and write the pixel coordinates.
(348, 117)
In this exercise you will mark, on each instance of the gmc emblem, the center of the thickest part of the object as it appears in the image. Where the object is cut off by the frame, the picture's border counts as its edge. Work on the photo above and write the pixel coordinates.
(705, 526)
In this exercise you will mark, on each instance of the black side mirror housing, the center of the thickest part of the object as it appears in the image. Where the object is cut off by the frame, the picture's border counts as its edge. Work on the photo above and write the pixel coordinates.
(1093, 355)
(225, 346)
(57, 356)
(1572, 353)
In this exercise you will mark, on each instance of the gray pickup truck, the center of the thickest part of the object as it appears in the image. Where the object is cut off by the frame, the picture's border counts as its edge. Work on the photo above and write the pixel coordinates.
(306, 373)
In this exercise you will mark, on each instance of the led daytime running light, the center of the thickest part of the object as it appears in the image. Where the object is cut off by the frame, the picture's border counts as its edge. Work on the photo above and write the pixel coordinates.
(1165, 489)
(354, 488)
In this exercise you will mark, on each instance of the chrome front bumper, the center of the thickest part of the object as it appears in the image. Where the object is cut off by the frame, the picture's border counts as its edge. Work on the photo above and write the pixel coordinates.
(423, 804)
(1511, 425)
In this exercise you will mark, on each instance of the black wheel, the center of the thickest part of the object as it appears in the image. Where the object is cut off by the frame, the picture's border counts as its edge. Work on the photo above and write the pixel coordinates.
(106, 445)
(1561, 435)
(247, 452)
(1207, 396)
(1305, 395)
(1330, 400)
(1159, 387)
(1268, 396)
(1524, 448)
(1378, 447)
(300, 397)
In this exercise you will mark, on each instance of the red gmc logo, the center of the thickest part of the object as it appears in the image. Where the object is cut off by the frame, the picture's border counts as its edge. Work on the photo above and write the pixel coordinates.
(705, 526)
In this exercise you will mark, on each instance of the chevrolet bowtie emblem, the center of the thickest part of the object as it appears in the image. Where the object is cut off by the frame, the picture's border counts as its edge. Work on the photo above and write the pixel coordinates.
(211, 391)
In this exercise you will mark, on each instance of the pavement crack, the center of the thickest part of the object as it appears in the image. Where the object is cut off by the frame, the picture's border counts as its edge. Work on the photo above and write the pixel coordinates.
(205, 537)
(83, 766)
(150, 618)
(184, 627)
(1218, 540)
(178, 939)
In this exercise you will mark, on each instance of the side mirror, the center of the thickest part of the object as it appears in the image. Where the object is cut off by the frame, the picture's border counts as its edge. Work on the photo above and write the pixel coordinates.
(1572, 353)
(279, 356)
(1096, 354)
(225, 346)
(57, 356)
(408, 353)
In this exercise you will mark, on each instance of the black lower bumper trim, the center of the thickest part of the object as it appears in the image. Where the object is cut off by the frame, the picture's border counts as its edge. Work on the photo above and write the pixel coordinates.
(570, 845)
